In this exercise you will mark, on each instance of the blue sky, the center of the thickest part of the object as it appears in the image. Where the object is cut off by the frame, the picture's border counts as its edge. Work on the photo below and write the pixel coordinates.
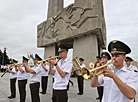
(19, 20)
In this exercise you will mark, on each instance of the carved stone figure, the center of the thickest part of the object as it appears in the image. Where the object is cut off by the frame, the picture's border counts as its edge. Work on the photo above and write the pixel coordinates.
(81, 19)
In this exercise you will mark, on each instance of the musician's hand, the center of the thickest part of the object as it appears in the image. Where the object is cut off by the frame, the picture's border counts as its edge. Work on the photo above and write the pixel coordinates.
(8, 69)
(16, 66)
(52, 62)
(108, 73)
(25, 64)
(98, 64)
(78, 69)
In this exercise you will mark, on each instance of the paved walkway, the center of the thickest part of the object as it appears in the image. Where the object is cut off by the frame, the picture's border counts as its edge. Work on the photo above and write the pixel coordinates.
(89, 93)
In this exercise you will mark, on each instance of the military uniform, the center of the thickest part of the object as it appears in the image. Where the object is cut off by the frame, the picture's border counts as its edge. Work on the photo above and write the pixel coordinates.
(131, 68)
(111, 91)
(34, 80)
(2, 68)
(13, 78)
(44, 79)
(60, 83)
(22, 81)
(5, 68)
(101, 87)
(80, 79)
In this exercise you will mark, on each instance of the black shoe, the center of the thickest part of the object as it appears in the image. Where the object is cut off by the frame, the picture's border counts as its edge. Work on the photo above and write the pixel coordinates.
(97, 98)
(10, 97)
(42, 92)
(72, 84)
(79, 93)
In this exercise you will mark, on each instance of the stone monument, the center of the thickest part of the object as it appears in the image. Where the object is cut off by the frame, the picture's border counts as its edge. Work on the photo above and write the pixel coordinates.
(80, 25)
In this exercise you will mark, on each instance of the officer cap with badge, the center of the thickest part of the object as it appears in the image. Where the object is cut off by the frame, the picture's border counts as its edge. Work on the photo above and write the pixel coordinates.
(14, 61)
(118, 47)
(37, 57)
(106, 55)
(81, 59)
(62, 47)
(98, 57)
(129, 59)
(25, 59)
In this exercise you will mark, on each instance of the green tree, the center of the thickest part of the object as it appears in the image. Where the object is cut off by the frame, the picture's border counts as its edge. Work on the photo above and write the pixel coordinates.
(4, 59)
(1, 57)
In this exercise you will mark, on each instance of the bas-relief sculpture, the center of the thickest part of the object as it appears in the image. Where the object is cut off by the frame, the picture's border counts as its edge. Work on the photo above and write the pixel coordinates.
(82, 17)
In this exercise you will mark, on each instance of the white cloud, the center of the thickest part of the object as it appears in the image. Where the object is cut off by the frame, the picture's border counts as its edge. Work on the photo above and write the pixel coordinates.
(19, 20)
(121, 22)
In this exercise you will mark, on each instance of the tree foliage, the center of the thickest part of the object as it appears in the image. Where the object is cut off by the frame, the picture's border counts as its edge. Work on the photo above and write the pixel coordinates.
(4, 59)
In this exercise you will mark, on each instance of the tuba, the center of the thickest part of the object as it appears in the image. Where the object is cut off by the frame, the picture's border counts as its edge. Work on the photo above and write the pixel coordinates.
(87, 74)
(76, 65)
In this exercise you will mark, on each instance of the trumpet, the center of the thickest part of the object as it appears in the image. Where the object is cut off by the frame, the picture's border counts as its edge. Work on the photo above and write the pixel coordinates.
(45, 63)
(21, 64)
(87, 74)
(15, 64)
(45, 60)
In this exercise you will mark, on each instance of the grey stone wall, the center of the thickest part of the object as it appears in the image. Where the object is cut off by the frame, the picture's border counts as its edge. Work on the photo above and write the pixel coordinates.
(80, 25)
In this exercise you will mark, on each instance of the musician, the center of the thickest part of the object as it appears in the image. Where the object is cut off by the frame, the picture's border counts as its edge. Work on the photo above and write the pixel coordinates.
(13, 77)
(44, 78)
(120, 84)
(5, 68)
(80, 78)
(22, 79)
(98, 59)
(34, 79)
(128, 64)
(61, 71)
(105, 58)
(2, 68)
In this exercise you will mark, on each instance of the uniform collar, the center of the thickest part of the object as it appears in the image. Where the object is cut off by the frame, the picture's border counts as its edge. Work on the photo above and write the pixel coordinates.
(129, 66)
(65, 60)
(123, 69)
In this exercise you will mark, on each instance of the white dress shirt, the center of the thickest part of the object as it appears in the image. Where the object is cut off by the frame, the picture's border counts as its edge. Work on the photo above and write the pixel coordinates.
(5, 67)
(111, 91)
(22, 75)
(44, 72)
(34, 78)
(59, 82)
(12, 76)
(83, 65)
(132, 68)
(2, 66)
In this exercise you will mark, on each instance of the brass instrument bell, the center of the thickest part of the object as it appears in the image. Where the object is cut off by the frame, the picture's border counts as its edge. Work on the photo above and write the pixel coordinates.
(87, 74)
(76, 65)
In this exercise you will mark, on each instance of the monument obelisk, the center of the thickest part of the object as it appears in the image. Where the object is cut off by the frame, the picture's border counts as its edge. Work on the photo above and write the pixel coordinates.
(54, 7)
(80, 25)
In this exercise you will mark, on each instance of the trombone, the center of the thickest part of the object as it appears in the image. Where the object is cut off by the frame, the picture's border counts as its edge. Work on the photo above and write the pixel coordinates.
(38, 62)
(87, 74)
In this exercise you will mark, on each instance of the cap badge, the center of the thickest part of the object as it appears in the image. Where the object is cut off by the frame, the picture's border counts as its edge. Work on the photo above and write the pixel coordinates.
(114, 49)
(114, 41)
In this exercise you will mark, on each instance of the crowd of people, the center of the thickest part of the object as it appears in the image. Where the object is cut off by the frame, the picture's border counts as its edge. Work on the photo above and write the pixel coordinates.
(117, 85)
